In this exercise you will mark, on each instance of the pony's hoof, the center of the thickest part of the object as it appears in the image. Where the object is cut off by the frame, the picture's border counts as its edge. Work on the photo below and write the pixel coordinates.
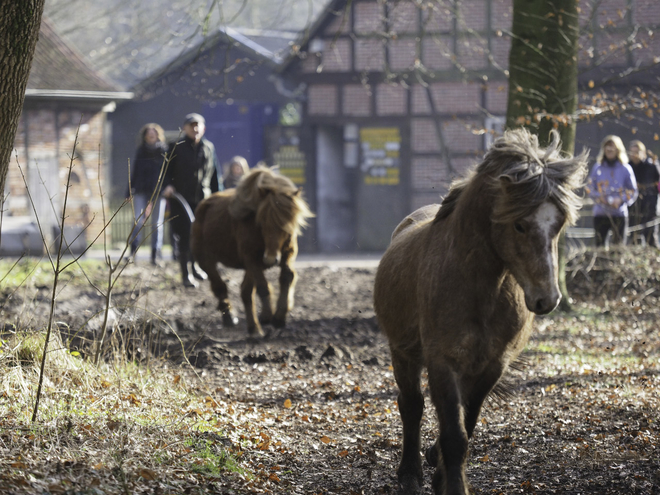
(278, 322)
(265, 319)
(432, 455)
(229, 320)
(409, 485)
(255, 333)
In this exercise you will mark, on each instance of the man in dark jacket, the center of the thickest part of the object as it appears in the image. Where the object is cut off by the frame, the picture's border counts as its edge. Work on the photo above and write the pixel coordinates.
(192, 173)
(645, 208)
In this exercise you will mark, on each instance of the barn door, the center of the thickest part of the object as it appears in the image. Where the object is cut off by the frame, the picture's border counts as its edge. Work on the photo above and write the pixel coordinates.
(380, 198)
(334, 193)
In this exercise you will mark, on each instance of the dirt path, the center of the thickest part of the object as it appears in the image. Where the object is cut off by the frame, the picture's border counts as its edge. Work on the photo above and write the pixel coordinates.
(321, 395)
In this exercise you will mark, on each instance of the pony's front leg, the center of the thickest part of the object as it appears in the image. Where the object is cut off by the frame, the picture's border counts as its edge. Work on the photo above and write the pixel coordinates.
(247, 295)
(475, 392)
(263, 290)
(287, 288)
(453, 437)
(411, 406)
(219, 288)
(478, 392)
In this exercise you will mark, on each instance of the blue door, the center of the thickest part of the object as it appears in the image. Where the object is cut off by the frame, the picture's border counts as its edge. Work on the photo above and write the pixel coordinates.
(238, 129)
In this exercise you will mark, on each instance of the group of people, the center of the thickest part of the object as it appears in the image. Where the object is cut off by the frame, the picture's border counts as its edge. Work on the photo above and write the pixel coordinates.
(178, 177)
(624, 188)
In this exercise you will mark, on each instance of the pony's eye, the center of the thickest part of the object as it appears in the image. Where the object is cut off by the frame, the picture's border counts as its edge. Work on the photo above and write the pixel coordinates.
(519, 228)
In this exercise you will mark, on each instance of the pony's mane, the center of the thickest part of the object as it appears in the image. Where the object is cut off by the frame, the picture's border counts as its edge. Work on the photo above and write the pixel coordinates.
(273, 198)
(521, 175)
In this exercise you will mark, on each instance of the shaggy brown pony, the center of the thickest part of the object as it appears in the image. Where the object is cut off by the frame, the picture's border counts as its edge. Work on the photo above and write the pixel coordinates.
(252, 227)
(457, 289)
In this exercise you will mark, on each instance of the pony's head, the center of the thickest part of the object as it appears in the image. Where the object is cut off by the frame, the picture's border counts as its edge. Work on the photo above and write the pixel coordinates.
(534, 197)
(279, 208)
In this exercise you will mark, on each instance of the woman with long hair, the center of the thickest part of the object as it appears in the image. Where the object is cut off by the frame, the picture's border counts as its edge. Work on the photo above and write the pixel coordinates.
(145, 186)
(613, 188)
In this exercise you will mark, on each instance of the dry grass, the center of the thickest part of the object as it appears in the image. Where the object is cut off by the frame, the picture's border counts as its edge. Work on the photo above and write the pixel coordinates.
(119, 427)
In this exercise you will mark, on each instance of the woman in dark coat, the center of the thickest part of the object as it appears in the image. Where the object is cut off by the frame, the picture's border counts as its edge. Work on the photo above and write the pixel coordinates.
(645, 208)
(145, 186)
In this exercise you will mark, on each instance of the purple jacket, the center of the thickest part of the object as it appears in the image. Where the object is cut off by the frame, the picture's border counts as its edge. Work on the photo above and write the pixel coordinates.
(608, 182)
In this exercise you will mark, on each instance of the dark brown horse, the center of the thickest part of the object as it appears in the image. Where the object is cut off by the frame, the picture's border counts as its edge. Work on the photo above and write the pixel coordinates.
(457, 289)
(252, 227)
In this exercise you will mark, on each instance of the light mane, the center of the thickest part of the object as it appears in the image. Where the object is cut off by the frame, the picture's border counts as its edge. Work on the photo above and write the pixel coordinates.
(272, 198)
(521, 175)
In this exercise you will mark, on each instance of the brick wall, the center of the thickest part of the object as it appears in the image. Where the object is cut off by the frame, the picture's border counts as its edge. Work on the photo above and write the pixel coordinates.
(471, 52)
(646, 12)
(456, 97)
(463, 135)
(438, 52)
(501, 14)
(648, 49)
(341, 23)
(497, 95)
(403, 17)
(611, 49)
(356, 100)
(391, 100)
(461, 35)
(322, 99)
(369, 55)
(403, 53)
(369, 17)
(420, 100)
(429, 173)
(337, 55)
(437, 17)
(44, 152)
(423, 136)
(473, 14)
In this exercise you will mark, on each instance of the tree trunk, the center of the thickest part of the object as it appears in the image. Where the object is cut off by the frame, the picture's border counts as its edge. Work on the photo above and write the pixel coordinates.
(19, 24)
(543, 78)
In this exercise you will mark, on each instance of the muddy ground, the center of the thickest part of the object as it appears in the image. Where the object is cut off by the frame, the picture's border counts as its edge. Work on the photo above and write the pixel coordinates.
(583, 417)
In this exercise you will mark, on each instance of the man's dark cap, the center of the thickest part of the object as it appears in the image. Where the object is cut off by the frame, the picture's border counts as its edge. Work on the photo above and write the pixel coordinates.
(194, 117)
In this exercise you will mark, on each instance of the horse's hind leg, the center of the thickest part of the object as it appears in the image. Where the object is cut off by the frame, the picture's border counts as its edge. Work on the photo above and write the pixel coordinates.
(453, 438)
(411, 406)
(247, 295)
(285, 299)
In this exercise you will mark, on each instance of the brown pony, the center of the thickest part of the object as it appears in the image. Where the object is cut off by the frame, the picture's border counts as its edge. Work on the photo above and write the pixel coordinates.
(252, 227)
(457, 289)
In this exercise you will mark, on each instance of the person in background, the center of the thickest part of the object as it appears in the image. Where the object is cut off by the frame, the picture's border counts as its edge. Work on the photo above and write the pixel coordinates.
(192, 173)
(238, 167)
(148, 206)
(613, 188)
(644, 210)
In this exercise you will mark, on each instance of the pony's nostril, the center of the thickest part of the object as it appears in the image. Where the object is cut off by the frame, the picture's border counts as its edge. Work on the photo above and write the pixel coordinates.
(540, 306)
(545, 304)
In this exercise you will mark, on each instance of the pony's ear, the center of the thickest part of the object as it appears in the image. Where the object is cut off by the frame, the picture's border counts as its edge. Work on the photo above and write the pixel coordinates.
(506, 179)
(263, 191)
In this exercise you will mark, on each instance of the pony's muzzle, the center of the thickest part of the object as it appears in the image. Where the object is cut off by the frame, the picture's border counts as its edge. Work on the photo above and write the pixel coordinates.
(543, 305)
(271, 260)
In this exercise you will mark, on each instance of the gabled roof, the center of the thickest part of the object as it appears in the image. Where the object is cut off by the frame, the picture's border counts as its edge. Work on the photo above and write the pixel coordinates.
(131, 42)
(265, 46)
(323, 19)
(58, 70)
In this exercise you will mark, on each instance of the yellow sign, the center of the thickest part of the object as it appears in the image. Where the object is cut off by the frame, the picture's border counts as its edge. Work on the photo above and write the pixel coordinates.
(380, 155)
(292, 163)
